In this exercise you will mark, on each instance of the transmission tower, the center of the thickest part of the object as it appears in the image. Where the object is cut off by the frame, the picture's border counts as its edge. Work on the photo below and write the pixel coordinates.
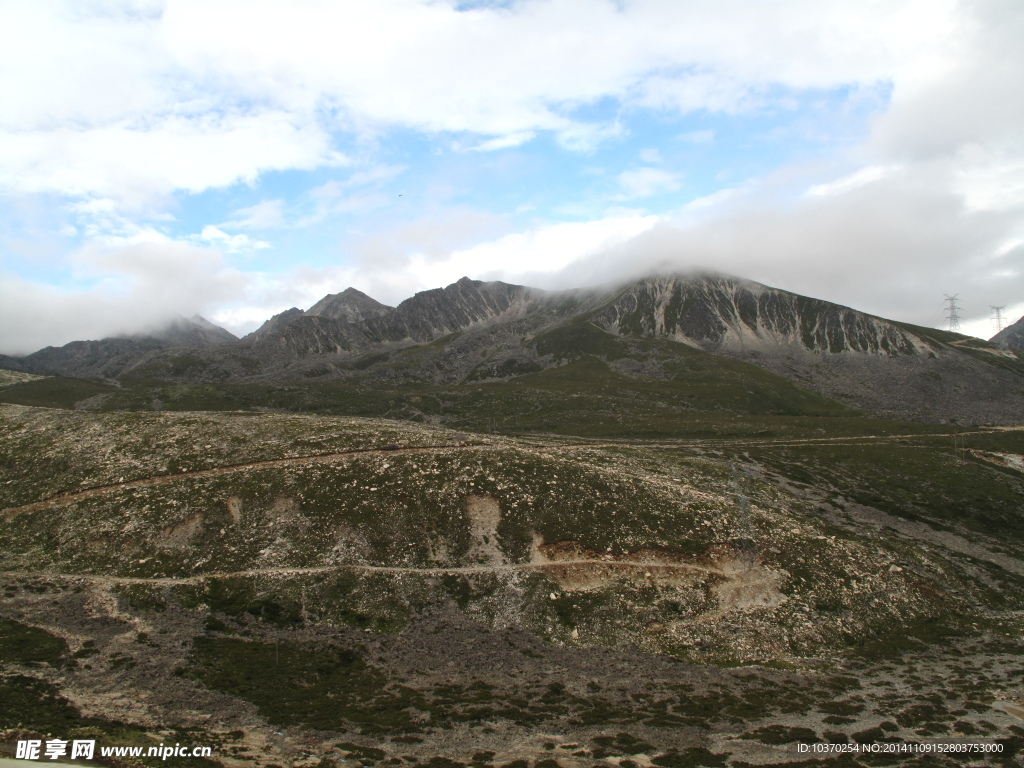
(999, 317)
(953, 312)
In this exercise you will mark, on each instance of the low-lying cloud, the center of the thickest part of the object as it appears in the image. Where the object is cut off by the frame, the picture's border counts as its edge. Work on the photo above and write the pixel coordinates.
(126, 289)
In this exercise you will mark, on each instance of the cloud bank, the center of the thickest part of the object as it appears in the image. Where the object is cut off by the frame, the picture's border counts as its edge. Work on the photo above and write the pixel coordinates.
(124, 110)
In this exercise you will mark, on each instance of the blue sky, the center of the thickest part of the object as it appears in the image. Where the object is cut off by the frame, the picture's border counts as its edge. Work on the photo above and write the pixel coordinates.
(234, 159)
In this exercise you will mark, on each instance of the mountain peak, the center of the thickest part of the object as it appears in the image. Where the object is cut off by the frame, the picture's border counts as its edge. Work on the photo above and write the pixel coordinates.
(190, 331)
(351, 306)
(278, 321)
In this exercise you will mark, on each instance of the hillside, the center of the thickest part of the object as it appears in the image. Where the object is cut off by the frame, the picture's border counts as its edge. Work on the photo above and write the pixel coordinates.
(307, 587)
(1011, 337)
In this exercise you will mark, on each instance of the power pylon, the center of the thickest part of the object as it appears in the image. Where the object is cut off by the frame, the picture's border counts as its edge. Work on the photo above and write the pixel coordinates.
(953, 312)
(998, 317)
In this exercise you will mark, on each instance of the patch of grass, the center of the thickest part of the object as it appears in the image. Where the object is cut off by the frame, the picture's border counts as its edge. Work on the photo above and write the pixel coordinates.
(141, 597)
(54, 391)
(578, 339)
(237, 596)
(325, 687)
(922, 481)
(29, 703)
(22, 644)
(922, 632)
(622, 743)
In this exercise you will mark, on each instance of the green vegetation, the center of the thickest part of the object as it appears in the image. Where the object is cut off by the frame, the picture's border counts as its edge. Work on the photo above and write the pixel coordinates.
(35, 704)
(586, 395)
(920, 479)
(325, 688)
(22, 644)
(55, 391)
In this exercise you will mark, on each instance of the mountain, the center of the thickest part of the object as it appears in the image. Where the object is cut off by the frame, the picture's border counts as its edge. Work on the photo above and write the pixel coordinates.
(192, 331)
(1011, 336)
(716, 313)
(111, 357)
(724, 314)
(505, 331)
(350, 305)
(278, 321)
(672, 331)
(351, 320)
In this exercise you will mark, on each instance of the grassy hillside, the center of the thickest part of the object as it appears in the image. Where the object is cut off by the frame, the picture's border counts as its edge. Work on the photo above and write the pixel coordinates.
(584, 395)
(375, 590)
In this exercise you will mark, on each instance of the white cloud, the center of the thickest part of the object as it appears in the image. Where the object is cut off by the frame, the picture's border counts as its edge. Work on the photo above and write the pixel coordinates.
(851, 181)
(892, 247)
(119, 290)
(267, 214)
(989, 180)
(359, 193)
(376, 175)
(231, 243)
(646, 181)
(505, 142)
(129, 100)
(135, 165)
(399, 264)
(971, 95)
(704, 136)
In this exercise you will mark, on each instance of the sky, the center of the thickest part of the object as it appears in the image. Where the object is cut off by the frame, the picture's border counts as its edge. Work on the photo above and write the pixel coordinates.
(240, 157)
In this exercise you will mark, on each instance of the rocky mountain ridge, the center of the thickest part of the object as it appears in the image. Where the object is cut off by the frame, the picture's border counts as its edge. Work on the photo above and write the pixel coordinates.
(478, 332)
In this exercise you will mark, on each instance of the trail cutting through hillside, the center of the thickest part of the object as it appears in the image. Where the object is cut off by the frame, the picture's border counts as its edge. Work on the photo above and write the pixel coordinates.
(145, 482)
(646, 567)
(98, 490)
(780, 441)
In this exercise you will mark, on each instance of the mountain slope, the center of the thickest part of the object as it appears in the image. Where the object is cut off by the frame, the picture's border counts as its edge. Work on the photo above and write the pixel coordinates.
(193, 331)
(112, 357)
(350, 305)
(1011, 336)
(875, 364)
(721, 313)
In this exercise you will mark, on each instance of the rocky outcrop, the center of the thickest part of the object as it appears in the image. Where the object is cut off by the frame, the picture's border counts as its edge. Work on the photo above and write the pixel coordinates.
(274, 324)
(461, 305)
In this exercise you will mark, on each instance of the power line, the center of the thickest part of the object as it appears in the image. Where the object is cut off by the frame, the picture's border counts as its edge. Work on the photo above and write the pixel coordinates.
(999, 316)
(953, 312)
